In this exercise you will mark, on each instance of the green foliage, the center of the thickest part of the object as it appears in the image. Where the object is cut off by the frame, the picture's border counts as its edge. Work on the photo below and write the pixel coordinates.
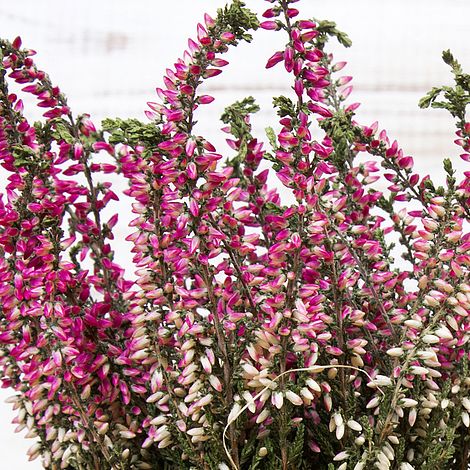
(131, 132)
(286, 106)
(296, 450)
(342, 131)
(62, 131)
(23, 156)
(236, 114)
(271, 135)
(237, 19)
(327, 30)
(455, 99)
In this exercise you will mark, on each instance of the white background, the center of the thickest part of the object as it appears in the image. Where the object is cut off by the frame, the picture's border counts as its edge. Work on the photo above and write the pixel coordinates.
(109, 55)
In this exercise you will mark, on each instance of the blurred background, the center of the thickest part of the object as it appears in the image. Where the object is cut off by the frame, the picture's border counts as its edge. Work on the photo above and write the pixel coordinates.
(108, 56)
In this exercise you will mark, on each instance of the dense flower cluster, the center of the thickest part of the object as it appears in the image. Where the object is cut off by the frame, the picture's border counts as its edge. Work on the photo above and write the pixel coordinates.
(257, 333)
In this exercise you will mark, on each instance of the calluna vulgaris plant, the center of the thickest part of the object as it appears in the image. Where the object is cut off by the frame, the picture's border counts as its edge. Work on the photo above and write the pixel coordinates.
(257, 334)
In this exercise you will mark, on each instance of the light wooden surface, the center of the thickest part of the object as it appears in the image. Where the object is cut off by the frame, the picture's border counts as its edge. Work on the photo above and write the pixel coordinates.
(109, 55)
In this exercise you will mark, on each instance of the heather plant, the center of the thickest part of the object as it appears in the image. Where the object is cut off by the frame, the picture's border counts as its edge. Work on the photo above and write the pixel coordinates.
(323, 325)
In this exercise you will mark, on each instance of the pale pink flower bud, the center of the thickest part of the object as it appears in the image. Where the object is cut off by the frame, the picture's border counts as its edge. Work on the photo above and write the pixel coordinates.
(262, 416)
(216, 383)
(227, 37)
(395, 352)
(407, 402)
(341, 456)
(373, 403)
(293, 398)
(430, 339)
(209, 21)
(313, 385)
(192, 170)
(418, 370)
(277, 399)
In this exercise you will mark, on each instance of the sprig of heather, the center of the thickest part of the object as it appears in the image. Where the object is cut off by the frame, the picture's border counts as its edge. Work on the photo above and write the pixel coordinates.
(379, 278)
(178, 189)
(63, 355)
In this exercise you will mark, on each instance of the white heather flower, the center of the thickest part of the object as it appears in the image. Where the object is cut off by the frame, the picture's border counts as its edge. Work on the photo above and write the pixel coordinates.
(408, 402)
(340, 432)
(196, 431)
(215, 382)
(127, 434)
(465, 419)
(406, 466)
(277, 399)
(234, 413)
(466, 403)
(204, 401)
(383, 459)
(413, 324)
(306, 393)
(166, 442)
(373, 403)
(33, 451)
(206, 364)
(431, 301)
(418, 370)
(354, 425)
(382, 381)
(328, 401)
(158, 420)
(338, 419)
(262, 416)
(452, 322)
(341, 456)
(250, 370)
(443, 332)
(332, 424)
(395, 352)
(313, 385)
(445, 403)
(430, 339)
(387, 449)
(426, 355)
(293, 398)
(249, 399)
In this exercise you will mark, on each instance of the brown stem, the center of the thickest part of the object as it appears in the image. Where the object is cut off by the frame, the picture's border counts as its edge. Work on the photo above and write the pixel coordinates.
(222, 345)
(338, 310)
(463, 464)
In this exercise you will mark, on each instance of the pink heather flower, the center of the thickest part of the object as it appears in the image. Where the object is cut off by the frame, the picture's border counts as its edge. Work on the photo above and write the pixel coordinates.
(269, 25)
(275, 59)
